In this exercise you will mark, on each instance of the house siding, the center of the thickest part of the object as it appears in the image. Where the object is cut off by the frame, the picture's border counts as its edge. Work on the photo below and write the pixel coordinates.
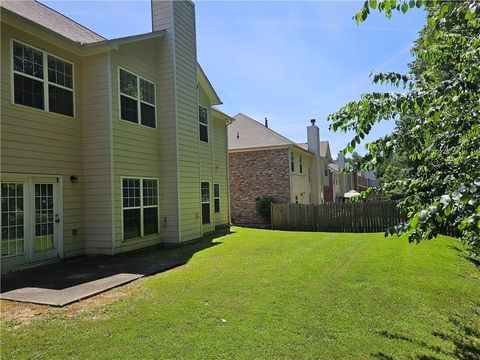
(37, 142)
(254, 174)
(97, 152)
(300, 184)
(220, 169)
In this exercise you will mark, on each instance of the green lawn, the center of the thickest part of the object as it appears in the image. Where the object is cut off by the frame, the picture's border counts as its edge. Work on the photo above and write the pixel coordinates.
(260, 294)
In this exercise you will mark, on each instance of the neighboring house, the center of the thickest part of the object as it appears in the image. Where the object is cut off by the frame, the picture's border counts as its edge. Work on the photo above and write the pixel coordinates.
(263, 162)
(342, 182)
(106, 145)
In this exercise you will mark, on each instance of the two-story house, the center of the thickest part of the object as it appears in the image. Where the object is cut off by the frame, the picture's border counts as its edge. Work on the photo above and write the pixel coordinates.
(263, 162)
(107, 145)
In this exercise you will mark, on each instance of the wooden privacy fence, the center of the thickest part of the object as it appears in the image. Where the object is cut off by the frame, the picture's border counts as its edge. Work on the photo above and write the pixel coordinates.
(337, 217)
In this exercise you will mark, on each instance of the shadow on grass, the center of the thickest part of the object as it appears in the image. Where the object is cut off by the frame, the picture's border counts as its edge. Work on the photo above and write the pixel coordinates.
(463, 335)
(463, 254)
(87, 269)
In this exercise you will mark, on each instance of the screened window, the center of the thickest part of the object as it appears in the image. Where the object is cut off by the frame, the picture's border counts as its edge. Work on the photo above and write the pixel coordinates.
(292, 162)
(137, 99)
(216, 197)
(140, 207)
(203, 123)
(205, 192)
(42, 81)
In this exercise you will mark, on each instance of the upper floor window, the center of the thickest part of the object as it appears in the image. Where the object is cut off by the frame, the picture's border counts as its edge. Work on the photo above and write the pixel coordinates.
(301, 165)
(326, 170)
(137, 99)
(41, 80)
(292, 162)
(203, 123)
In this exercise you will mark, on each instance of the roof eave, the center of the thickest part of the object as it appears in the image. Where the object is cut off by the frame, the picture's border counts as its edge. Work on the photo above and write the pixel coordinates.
(207, 85)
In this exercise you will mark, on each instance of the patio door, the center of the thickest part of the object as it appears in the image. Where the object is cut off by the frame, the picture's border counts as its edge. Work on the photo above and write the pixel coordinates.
(45, 219)
(30, 219)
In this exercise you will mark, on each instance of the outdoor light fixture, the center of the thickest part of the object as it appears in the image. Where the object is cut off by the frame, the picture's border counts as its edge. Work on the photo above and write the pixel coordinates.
(74, 179)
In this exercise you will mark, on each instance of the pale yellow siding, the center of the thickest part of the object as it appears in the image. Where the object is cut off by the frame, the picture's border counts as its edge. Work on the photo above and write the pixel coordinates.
(136, 148)
(220, 168)
(206, 160)
(38, 142)
(301, 187)
(187, 120)
(97, 134)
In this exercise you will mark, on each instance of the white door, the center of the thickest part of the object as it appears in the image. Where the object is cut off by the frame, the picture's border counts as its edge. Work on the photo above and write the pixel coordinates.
(30, 219)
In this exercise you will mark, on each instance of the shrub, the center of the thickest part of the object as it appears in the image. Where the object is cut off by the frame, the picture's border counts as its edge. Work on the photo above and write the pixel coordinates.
(263, 206)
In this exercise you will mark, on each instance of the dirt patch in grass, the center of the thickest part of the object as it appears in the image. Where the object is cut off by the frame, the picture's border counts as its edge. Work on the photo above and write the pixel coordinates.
(15, 314)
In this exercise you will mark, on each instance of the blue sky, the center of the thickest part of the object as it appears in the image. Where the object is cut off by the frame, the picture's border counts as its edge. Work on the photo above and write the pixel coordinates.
(288, 61)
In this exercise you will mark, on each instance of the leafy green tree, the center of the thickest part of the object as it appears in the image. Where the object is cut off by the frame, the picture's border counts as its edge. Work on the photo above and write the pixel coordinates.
(263, 205)
(440, 128)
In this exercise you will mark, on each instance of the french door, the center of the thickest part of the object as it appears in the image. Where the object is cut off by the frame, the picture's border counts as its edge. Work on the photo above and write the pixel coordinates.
(30, 222)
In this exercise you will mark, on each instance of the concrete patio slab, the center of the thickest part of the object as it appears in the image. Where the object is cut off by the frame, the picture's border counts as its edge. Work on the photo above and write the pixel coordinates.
(70, 281)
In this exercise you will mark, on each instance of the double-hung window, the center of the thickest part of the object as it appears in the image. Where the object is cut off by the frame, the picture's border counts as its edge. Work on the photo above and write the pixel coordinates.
(205, 193)
(301, 165)
(137, 99)
(41, 80)
(203, 123)
(216, 197)
(292, 162)
(140, 207)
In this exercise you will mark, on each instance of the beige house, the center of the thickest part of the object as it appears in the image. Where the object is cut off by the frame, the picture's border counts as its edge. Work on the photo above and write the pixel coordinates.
(264, 162)
(106, 145)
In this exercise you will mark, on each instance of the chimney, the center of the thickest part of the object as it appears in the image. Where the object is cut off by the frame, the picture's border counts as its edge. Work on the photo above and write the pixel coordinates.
(341, 160)
(316, 171)
(266, 122)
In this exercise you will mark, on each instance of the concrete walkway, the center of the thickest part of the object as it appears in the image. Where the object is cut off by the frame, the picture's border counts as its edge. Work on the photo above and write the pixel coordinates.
(63, 283)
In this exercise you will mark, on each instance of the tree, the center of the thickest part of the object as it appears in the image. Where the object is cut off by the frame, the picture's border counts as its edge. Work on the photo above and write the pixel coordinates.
(439, 131)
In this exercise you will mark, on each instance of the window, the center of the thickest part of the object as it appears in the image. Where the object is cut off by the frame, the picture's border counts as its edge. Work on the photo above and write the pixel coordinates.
(308, 173)
(205, 191)
(140, 207)
(203, 123)
(12, 222)
(137, 99)
(301, 165)
(216, 197)
(296, 199)
(326, 170)
(41, 80)
(292, 162)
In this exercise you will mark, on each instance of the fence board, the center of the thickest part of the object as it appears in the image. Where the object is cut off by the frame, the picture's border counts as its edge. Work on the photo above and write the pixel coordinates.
(336, 217)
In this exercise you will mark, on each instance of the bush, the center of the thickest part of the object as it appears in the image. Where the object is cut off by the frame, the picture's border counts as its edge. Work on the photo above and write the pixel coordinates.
(263, 206)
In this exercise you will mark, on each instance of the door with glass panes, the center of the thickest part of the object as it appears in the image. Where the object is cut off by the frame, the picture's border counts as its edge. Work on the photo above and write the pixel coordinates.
(30, 220)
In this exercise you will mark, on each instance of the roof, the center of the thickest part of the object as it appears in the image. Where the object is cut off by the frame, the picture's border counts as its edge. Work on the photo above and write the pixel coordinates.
(52, 20)
(324, 145)
(333, 166)
(246, 133)
(207, 86)
(228, 119)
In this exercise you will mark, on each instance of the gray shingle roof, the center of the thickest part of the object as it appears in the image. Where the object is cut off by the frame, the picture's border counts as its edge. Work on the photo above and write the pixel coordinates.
(246, 132)
(52, 20)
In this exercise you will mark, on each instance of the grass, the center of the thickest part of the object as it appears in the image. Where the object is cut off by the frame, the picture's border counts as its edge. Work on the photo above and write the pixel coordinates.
(259, 294)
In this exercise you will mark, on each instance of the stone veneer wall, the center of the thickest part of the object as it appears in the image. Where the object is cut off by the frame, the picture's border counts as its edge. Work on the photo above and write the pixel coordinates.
(253, 174)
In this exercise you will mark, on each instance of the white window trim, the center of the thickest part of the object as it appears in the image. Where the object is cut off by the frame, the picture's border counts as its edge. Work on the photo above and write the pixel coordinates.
(138, 100)
(141, 207)
(203, 124)
(209, 202)
(216, 198)
(44, 81)
(292, 161)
